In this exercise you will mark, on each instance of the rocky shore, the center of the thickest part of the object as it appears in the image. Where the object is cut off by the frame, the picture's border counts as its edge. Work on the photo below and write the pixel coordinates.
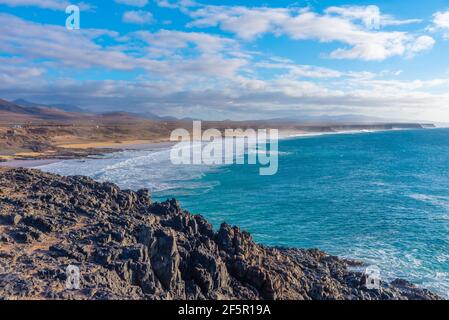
(128, 247)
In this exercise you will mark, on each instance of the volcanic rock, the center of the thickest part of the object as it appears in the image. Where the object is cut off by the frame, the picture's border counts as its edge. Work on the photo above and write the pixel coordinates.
(127, 247)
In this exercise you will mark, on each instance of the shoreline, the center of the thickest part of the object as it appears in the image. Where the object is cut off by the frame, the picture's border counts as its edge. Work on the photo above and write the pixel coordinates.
(162, 145)
(123, 145)
(129, 234)
(102, 148)
(114, 148)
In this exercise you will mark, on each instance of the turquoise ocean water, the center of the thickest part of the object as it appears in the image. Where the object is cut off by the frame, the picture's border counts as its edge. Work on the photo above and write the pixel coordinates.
(381, 197)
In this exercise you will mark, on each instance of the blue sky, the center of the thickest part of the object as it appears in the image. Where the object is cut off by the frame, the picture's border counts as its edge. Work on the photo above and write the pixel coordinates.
(231, 59)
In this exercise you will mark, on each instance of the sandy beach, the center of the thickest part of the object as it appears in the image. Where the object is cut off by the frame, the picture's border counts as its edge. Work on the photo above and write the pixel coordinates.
(125, 145)
(39, 145)
(28, 163)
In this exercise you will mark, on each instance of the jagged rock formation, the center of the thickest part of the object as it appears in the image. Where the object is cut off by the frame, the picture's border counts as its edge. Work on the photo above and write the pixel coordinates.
(127, 247)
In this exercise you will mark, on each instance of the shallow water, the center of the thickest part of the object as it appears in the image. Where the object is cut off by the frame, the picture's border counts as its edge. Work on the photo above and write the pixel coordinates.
(381, 197)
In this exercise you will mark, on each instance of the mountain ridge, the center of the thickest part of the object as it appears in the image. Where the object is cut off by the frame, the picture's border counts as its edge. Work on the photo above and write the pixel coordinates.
(62, 107)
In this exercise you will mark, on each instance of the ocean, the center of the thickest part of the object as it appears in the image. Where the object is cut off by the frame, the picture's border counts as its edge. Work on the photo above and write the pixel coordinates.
(381, 197)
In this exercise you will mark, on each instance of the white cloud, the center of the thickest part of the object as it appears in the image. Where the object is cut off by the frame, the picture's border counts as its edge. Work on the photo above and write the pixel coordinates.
(201, 74)
(369, 15)
(246, 23)
(173, 40)
(441, 20)
(214, 55)
(60, 48)
(134, 3)
(45, 4)
(300, 71)
(48, 4)
(176, 4)
(56, 44)
(421, 44)
(138, 17)
(440, 23)
(14, 70)
(246, 97)
(337, 25)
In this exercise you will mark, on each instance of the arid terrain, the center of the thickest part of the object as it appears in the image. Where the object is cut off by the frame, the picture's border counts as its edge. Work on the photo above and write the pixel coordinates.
(42, 132)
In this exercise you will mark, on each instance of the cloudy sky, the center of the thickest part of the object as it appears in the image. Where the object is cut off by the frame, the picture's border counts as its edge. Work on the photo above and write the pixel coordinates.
(231, 59)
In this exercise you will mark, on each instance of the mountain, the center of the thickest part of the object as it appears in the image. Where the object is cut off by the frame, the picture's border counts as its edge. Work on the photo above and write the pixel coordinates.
(21, 111)
(12, 112)
(10, 107)
(145, 115)
(62, 107)
(153, 116)
(76, 109)
(118, 116)
(333, 119)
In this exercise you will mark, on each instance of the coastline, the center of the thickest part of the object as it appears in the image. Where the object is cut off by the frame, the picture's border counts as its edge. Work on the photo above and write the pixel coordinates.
(123, 145)
(156, 145)
(85, 150)
(99, 146)
(317, 134)
(185, 258)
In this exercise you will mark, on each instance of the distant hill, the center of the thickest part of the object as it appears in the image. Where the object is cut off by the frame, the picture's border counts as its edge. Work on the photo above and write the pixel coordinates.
(9, 107)
(76, 109)
(62, 107)
(333, 119)
(143, 115)
(21, 110)
(152, 116)
(24, 111)
(11, 112)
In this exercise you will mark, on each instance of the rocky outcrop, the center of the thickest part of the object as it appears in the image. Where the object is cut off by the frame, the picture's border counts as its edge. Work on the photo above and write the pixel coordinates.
(127, 247)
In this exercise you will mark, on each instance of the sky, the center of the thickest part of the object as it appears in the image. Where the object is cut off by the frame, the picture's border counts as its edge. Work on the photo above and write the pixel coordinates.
(231, 59)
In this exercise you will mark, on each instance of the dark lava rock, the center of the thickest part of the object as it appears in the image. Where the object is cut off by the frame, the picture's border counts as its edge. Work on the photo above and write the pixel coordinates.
(127, 247)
